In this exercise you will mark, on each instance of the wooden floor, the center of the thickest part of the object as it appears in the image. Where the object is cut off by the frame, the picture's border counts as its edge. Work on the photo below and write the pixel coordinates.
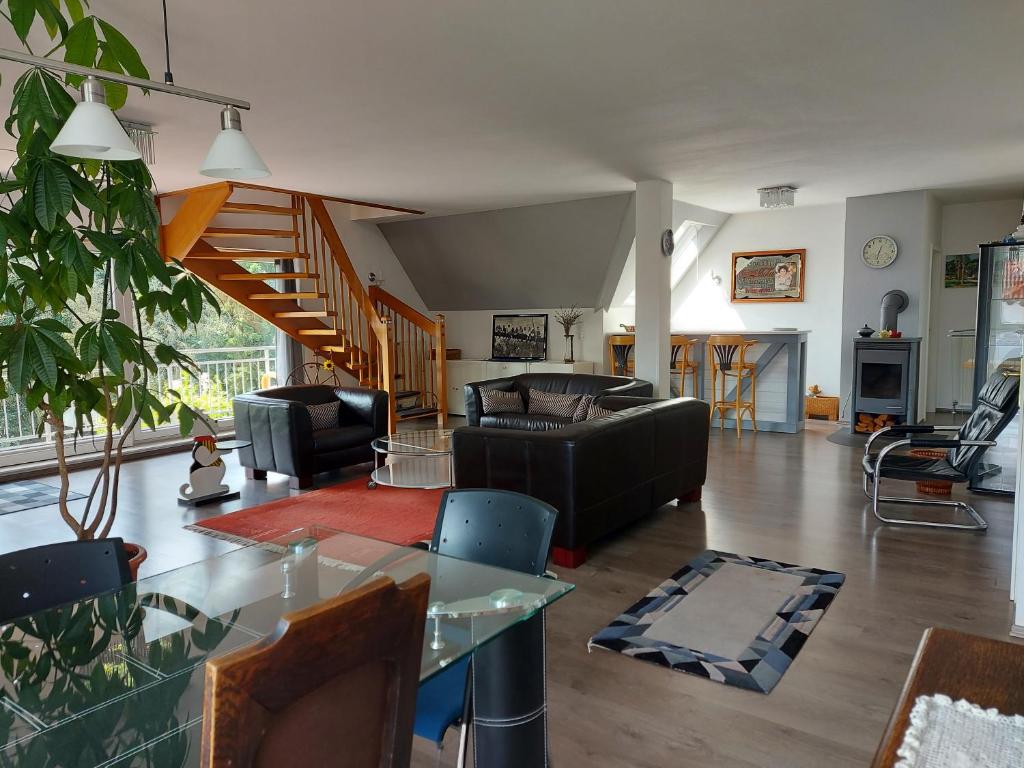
(788, 497)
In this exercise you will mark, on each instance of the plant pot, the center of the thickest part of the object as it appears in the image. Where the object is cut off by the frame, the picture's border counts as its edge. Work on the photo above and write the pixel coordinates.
(136, 556)
(569, 354)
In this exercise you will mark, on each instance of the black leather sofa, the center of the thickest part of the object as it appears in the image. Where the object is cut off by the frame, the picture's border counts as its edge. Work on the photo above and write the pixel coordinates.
(599, 474)
(560, 383)
(283, 440)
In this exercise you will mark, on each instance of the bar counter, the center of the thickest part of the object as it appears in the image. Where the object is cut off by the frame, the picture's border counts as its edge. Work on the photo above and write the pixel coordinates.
(781, 358)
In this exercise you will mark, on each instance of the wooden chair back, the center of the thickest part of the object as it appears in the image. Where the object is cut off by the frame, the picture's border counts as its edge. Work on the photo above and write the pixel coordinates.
(334, 685)
(723, 349)
(684, 345)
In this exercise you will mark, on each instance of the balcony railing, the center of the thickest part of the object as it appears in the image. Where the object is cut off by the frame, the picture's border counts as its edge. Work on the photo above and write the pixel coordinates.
(223, 373)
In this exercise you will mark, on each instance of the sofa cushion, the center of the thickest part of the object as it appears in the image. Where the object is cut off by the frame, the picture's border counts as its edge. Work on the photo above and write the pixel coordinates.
(324, 416)
(596, 412)
(549, 404)
(531, 422)
(501, 401)
(340, 438)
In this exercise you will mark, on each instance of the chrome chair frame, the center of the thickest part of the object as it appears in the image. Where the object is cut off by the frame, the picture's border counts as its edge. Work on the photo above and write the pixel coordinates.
(873, 474)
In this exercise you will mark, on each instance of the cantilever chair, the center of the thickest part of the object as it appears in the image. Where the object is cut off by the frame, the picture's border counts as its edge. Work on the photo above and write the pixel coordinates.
(997, 405)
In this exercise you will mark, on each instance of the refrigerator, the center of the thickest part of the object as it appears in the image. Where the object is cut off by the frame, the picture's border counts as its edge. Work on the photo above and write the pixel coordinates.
(1000, 332)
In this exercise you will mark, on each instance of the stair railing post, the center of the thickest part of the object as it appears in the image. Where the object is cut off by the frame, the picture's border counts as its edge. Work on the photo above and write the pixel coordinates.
(441, 364)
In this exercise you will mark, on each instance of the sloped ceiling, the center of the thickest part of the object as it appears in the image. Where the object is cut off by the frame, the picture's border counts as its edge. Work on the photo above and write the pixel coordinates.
(535, 256)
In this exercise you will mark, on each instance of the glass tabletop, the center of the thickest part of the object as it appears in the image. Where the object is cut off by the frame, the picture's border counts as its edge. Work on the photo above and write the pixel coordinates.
(419, 443)
(118, 680)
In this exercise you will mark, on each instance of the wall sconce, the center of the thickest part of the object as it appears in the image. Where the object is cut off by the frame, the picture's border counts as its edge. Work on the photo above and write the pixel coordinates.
(716, 279)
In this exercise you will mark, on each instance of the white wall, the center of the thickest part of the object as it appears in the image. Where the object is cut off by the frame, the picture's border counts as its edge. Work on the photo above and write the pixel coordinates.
(964, 227)
(470, 331)
(699, 304)
(369, 252)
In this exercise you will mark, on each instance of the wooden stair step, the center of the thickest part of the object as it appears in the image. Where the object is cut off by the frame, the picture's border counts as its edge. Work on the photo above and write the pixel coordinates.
(307, 313)
(247, 232)
(274, 210)
(319, 332)
(251, 256)
(289, 295)
(269, 276)
(334, 348)
(415, 413)
(404, 394)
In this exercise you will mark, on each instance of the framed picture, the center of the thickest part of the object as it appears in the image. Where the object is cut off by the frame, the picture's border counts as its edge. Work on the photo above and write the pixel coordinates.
(519, 337)
(768, 276)
(962, 270)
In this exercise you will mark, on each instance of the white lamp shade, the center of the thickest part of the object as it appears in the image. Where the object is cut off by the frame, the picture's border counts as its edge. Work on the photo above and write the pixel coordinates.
(232, 156)
(92, 131)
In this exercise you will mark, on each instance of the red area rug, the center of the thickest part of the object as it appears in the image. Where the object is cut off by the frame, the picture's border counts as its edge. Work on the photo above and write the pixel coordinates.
(398, 515)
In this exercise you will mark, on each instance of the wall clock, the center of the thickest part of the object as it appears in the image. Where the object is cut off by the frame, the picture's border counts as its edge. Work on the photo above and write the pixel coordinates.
(879, 252)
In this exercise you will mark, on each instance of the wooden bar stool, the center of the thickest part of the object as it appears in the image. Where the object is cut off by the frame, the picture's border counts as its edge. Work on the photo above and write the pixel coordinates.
(682, 347)
(619, 349)
(727, 356)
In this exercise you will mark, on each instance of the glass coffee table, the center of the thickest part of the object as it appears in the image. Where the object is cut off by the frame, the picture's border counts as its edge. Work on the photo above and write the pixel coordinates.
(421, 459)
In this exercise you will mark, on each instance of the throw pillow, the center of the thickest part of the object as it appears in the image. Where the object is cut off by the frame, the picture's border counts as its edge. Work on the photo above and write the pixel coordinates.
(500, 401)
(596, 412)
(583, 408)
(551, 404)
(324, 416)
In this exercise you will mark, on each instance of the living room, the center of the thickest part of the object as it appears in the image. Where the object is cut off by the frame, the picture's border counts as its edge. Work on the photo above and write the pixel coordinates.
(399, 378)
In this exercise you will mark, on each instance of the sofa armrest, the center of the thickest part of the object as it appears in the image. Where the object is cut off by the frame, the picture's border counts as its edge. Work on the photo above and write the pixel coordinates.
(474, 406)
(364, 406)
(281, 433)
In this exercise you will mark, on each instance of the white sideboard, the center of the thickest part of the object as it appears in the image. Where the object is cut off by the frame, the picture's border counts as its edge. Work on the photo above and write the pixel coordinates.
(463, 372)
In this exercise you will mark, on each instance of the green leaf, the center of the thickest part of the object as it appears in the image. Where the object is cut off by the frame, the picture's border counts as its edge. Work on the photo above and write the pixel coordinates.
(109, 353)
(81, 43)
(52, 18)
(117, 94)
(45, 364)
(186, 420)
(17, 370)
(51, 193)
(123, 51)
(75, 10)
(23, 13)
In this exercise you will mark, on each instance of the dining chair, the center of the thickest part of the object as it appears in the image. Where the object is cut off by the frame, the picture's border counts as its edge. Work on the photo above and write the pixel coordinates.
(334, 685)
(682, 349)
(39, 578)
(499, 528)
(727, 356)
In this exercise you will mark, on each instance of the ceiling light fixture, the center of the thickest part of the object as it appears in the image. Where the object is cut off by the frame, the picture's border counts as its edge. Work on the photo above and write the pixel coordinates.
(92, 131)
(142, 135)
(232, 155)
(777, 197)
(88, 131)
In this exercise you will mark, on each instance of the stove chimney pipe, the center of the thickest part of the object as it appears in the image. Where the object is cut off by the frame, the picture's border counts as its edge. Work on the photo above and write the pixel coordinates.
(893, 303)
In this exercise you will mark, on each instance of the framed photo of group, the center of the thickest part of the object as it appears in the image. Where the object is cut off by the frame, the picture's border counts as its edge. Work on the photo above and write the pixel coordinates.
(519, 337)
(764, 276)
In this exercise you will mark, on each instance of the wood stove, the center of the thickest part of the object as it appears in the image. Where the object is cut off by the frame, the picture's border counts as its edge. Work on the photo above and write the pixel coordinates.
(885, 381)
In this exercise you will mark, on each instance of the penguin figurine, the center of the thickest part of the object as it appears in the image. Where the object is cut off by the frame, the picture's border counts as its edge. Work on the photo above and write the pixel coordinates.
(207, 470)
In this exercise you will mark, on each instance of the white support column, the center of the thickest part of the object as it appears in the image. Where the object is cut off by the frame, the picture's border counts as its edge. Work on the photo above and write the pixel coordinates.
(653, 287)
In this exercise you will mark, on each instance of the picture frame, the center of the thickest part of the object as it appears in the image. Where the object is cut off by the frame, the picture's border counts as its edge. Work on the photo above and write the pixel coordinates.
(961, 270)
(519, 337)
(768, 276)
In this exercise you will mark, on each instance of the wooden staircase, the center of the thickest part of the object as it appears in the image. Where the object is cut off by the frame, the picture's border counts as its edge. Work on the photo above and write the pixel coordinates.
(229, 232)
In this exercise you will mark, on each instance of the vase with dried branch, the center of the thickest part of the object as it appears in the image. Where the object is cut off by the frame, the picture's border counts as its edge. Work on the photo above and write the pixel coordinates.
(80, 269)
(568, 318)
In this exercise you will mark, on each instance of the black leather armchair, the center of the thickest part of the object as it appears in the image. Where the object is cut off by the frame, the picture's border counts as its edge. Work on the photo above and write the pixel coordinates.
(560, 383)
(277, 422)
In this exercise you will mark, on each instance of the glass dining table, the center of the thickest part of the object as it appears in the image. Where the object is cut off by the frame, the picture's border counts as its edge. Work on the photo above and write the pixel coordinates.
(117, 680)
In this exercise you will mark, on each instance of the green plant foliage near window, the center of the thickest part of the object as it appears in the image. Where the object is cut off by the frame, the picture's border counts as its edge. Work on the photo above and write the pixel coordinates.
(75, 230)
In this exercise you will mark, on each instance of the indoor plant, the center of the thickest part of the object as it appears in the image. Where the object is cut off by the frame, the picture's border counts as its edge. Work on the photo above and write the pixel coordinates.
(567, 318)
(81, 269)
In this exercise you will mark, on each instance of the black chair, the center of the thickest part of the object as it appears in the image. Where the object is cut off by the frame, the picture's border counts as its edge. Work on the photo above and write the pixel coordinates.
(44, 577)
(500, 528)
(278, 424)
(997, 405)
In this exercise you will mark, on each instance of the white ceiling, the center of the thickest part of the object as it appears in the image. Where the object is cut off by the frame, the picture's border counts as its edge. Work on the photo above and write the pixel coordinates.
(457, 105)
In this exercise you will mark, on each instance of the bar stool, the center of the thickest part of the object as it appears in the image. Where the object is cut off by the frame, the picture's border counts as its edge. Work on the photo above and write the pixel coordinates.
(681, 349)
(727, 355)
(619, 349)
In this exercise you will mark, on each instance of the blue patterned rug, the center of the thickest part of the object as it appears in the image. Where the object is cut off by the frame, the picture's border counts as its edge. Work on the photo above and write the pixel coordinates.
(745, 627)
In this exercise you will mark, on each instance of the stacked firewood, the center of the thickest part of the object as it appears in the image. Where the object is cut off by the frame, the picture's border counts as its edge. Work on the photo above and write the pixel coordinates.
(871, 422)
